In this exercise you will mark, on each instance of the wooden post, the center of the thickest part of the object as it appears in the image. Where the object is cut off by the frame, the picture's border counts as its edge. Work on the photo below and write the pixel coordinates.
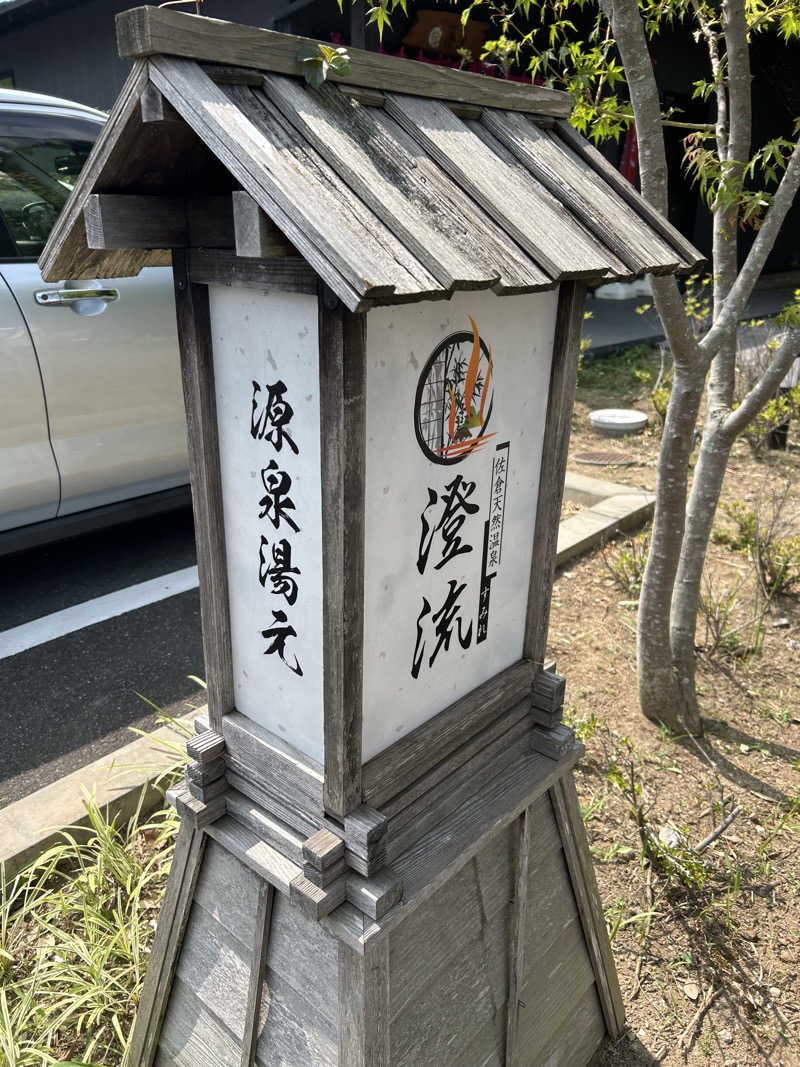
(197, 365)
(342, 347)
(563, 374)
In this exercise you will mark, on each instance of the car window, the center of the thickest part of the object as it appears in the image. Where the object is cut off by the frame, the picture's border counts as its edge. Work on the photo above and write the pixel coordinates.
(41, 157)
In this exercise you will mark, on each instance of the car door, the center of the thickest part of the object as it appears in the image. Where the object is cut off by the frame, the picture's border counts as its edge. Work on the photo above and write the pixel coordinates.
(28, 472)
(107, 349)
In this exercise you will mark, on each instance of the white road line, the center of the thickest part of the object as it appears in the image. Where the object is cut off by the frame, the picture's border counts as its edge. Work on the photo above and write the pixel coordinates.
(50, 627)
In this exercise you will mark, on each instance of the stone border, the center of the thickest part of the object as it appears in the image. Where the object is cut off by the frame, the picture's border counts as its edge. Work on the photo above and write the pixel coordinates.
(31, 825)
(611, 507)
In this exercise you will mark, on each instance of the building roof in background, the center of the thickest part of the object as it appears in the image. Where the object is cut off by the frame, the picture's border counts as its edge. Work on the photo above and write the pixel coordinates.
(400, 182)
(14, 13)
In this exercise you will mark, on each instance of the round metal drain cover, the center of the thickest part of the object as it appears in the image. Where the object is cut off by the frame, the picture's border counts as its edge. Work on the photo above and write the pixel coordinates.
(603, 459)
(616, 422)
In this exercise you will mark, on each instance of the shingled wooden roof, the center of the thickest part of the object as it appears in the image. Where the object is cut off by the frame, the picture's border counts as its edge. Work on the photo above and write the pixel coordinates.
(402, 181)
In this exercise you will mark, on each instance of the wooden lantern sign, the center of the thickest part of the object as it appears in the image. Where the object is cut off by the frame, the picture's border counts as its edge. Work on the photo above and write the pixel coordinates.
(379, 287)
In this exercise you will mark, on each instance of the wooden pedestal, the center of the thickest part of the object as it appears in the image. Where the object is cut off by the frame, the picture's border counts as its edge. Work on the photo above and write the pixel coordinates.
(494, 905)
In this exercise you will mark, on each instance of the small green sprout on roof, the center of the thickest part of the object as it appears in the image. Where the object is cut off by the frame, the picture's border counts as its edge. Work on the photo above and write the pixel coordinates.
(317, 62)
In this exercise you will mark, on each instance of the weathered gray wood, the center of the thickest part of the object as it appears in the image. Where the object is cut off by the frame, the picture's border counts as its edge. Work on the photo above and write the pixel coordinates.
(591, 200)
(316, 900)
(197, 373)
(289, 274)
(216, 967)
(377, 895)
(519, 929)
(193, 811)
(206, 791)
(260, 857)
(364, 1005)
(432, 934)
(548, 691)
(205, 773)
(477, 744)
(154, 108)
(325, 877)
(388, 773)
(551, 905)
(431, 808)
(323, 849)
(578, 1037)
(205, 747)
(256, 236)
(558, 982)
(401, 184)
(293, 1032)
(554, 741)
(266, 898)
(365, 97)
(506, 160)
(186, 862)
(342, 379)
(486, 1047)
(228, 891)
(128, 220)
(583, 148)
(346, 244)
(432, 859)
(299, 950)
(65, 254)
(241, 779)
(455, 1002)
(579, 860)
(529, 214)
(146, 31)
(192, 1035)
(558, 423)
(296, 776)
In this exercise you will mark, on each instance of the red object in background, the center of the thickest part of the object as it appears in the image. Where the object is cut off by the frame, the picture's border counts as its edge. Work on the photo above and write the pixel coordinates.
(629, 164)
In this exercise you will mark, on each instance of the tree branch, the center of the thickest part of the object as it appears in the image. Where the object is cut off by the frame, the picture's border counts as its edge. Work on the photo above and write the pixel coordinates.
(767, 385)
(733, 307)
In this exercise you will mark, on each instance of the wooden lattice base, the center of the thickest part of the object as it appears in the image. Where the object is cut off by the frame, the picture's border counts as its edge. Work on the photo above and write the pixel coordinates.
(499, 908)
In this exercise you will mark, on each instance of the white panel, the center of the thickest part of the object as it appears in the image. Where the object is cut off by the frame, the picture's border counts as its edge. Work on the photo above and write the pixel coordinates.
(266, 357)
(426, 521)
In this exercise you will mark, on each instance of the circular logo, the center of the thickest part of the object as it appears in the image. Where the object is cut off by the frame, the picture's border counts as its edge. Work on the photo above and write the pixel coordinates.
(454, 398)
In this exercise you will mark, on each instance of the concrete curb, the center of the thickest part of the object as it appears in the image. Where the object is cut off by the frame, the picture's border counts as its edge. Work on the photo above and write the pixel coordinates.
(613, 508)
(33, 824)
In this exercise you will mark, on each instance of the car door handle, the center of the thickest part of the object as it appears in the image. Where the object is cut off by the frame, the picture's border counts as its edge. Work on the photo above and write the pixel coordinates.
(65, 297)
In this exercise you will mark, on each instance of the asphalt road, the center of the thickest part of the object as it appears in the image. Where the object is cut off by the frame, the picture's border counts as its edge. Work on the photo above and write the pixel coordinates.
(72, 699)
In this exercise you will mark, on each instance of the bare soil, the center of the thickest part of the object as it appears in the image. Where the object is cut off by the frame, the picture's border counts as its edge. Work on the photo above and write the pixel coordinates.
(707, 945)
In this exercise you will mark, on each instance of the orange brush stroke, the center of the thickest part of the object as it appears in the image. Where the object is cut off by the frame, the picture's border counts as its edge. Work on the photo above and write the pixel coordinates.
(486, 385)
(465, 446)
(472, 370)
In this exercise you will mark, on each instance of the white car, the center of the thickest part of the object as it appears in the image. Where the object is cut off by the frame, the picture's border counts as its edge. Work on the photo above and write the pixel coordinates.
(92, 427)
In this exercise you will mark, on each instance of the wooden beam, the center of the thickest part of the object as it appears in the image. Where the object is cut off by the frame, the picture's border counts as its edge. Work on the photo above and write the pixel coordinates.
(197, 372)
(258, 965)
(364, 1004)
(558, 423)
(189, 850)
(519, 922)
(342, 371)
(217, 266)
(408, 759)
(147, 31)
(587, 896)
(154, 108)
(128, 220)
(255, 234)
